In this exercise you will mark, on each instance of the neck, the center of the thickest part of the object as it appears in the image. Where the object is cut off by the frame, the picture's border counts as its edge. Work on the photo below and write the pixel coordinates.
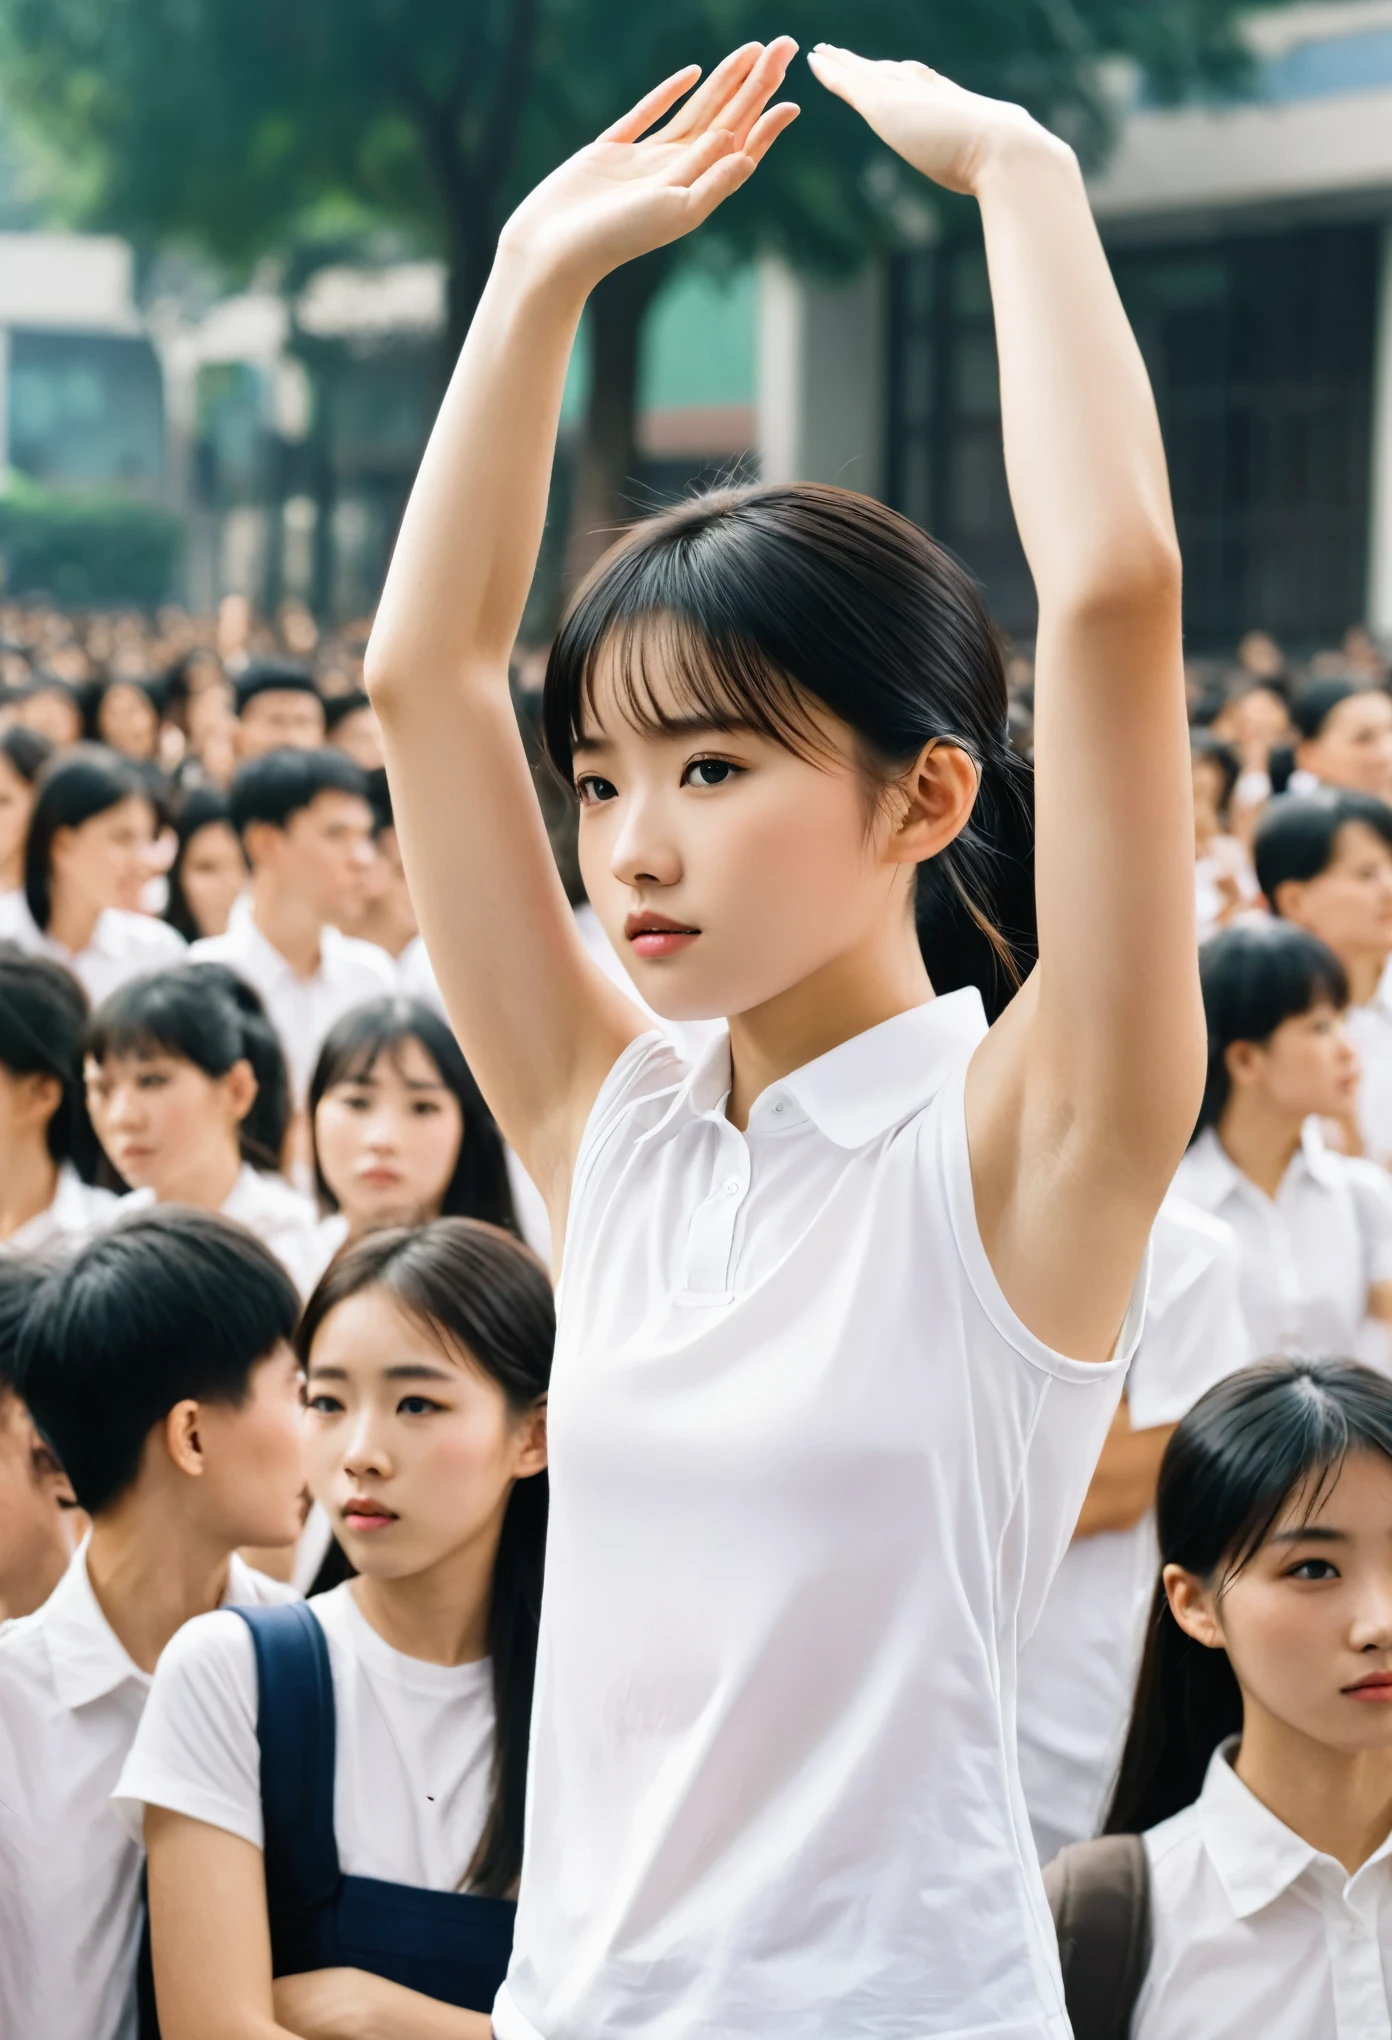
(439, 1615)
(880, 977)
(151, 1572)
(12, 871)
(204, 1179)
(288, 924)
(71, 922)
(1339, 1801)
(1260, 1137)
(389, 922)
(1364, 975)
(28, 1183)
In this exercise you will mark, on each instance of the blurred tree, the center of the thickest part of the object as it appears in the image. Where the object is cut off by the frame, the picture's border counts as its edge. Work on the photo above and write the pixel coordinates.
(254, 126)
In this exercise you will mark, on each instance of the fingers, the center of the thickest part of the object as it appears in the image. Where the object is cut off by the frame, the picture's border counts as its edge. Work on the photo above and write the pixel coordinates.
(695, 162)
(746, 104)
(768, 128)
(716, 185)
(699, 112)
(652, 106)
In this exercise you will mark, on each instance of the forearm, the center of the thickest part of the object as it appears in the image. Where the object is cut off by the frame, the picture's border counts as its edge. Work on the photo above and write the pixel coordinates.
(1123, 1485)
(350, 2004)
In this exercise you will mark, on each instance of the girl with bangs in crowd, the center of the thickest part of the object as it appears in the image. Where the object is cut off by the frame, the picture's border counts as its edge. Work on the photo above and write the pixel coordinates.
(49, 1155)
(22, 754)
(846, 1305)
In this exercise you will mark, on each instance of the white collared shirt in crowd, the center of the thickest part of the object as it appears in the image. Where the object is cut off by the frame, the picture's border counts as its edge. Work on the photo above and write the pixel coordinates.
(1370, 1030)
(76, 1211)
(810, 1478)
(1255, 1932)
(1309, 1255)
(123, 945)
(279, 1216)
(1078, 1669)
(302, 1010)
(70, 1703)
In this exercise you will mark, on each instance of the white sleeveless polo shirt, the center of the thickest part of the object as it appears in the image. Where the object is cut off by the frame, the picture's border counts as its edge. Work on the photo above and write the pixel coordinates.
(810, 1479)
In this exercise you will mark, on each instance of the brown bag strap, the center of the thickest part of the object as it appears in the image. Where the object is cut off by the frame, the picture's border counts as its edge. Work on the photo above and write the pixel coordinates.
(1099, 1895)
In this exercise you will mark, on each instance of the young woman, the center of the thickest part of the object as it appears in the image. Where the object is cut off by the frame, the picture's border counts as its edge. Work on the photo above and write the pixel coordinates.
(22, 755)
(87, 860)
(209, 868)
(844, 1311)
(48, 1151)
(1223, 878)
(427, 1356)
(187, 1089)
(1314, 1227)
(1259, 1758)
(125, 717)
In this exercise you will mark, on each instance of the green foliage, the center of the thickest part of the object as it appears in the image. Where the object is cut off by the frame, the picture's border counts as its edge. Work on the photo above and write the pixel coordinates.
(83, 549)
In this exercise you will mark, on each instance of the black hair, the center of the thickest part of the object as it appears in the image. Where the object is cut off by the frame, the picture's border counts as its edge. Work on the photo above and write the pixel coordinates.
(1254, 977)
(276, 786)
(77, 784)
(202, 808)
(1317, 701)
(1264, 1438)
(379, 800)
(1298, 837)
(43, 1011)
(169, 1305)
(208, 1016)
(482, 1291)
(479, 1187)
(273, 676)
(753, 600)
(1214, 752)
(338, 707)
(20, 1278)
(26, 751)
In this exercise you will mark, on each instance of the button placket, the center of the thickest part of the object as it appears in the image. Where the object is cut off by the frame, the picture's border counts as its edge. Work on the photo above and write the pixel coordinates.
(710, 1237)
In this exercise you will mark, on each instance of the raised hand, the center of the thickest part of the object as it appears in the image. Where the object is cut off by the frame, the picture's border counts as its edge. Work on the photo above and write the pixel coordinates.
(941, 129)
(632, 190)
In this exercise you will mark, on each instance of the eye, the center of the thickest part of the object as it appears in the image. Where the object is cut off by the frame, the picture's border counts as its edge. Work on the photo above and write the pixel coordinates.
(151, 1080)
(709, 772)
(592, 789)
(416, 1406)
(1313, 1569)
(424, 1107)
(324, 1405)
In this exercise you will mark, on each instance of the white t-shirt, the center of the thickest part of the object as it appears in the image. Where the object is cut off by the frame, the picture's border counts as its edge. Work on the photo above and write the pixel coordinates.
(76, 1211)
(123, 945)
(1078, 1669)
(1310, 1254)
(413, 1754)
(1370, 1031)
(1256, 1933)
(280, 1217)
(70, 1703)
(810, 1478)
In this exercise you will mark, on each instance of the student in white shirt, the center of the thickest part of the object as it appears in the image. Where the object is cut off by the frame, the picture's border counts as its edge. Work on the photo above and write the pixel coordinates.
(22, 755)
(278, 707)
(187, 1089)
(35, 1499)
(1259, 1759)
(818, 1448)
(48, 1151)
(86, 865)
(1078, 1669)
(1324, 862)
(1314, 1227)
(306, 827)
(209, 870)
(157, 1366)
(427, 1356)
(1345, 737)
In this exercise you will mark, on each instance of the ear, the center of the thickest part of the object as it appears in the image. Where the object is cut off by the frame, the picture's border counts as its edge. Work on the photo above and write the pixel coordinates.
(259, 840)
(182, 1441)
(938, 794)
(239, 1088)
(531, 1447)
(59, 847)
(40, 1095)
(1193, 1607)
(1243, 1060)
(1307, 754)
(1288, 900)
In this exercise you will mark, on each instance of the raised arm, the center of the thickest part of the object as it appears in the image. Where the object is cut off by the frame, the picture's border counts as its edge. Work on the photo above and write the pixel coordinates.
(1080, 1102)
(540, 1024)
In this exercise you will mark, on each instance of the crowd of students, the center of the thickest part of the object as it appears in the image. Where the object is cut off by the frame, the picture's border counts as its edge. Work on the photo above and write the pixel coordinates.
(865, 1601)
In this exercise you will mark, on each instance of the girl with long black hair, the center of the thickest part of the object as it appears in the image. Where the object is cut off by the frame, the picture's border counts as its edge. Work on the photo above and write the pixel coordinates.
(49, 1155)
(845, 1305)
(335, 1797)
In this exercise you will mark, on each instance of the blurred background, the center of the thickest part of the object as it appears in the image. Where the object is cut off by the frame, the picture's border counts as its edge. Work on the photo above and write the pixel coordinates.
(242, 240)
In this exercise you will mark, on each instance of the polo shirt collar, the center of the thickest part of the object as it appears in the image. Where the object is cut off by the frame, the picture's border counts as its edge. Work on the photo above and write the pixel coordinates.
(1256, 1856)
(88, 1658)
(1211, 1175)
(1316, 1157)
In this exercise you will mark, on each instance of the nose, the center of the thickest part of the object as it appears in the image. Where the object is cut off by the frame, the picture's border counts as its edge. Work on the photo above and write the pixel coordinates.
(363, 854)
(379, 1134)
(123, 1106)
(644, 852)
(1371, 1628)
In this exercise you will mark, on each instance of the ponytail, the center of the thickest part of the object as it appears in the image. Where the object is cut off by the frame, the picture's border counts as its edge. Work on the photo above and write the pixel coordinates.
(1188, 1703)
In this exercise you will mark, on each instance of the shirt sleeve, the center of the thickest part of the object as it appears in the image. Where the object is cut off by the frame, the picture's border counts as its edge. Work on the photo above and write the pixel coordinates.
(196, 1751)
(1195, 1335)
(1372, 1190)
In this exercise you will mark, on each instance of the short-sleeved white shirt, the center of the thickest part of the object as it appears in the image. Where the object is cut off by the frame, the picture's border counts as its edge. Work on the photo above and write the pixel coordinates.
(1310, 1254)
(1256, 1932)
(1370, 1030)
(123, 945)
(413, 1748)
(70, 1703)
(76, 1210)
(1078, 1670)
(810, 1477)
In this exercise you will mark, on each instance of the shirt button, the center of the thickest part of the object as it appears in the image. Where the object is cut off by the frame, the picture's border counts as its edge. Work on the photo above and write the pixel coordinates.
(779, 1106)
(732, 1188)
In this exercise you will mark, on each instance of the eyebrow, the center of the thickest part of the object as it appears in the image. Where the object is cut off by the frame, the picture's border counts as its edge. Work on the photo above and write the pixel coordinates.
(1312, 1534)
(694, 725)
(416, 1370)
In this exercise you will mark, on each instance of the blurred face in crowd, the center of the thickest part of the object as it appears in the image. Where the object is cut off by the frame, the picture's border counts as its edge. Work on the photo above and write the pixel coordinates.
(1307, 1623)
(127, 720)
(388, 1139)
(168, 1126)
(359, 734)
(1307, 1065)
(33, 1534)
(248, 1456)
(1210, 784)
(53, 713)
(286, 717)
(107, 861)
(411, 1447)
(1354, 746)
(212, 874)
(323, 856)
(16, 806)
(1254, 724)
(1349, 905)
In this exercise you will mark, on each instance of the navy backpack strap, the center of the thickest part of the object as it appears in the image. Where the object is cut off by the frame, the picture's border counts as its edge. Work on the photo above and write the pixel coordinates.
(295, 1728)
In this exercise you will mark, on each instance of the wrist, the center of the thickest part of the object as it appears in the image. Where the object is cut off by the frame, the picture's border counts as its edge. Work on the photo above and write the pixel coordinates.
(1020, 150)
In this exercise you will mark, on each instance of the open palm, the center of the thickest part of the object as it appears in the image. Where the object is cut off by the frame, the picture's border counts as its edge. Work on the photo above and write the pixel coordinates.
(940, 128)
(632, 191)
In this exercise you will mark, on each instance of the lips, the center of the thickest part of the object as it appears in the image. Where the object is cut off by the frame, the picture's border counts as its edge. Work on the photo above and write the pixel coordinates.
(362, 1515)
(653, 935)
(1376, 1686)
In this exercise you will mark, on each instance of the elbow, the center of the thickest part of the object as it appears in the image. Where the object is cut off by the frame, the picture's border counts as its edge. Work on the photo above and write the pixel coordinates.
(1135, 582)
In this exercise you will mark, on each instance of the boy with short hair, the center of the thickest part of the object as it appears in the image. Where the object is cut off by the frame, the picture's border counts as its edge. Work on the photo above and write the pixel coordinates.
(156, 1364)
(35, 1499)
(278, 704)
